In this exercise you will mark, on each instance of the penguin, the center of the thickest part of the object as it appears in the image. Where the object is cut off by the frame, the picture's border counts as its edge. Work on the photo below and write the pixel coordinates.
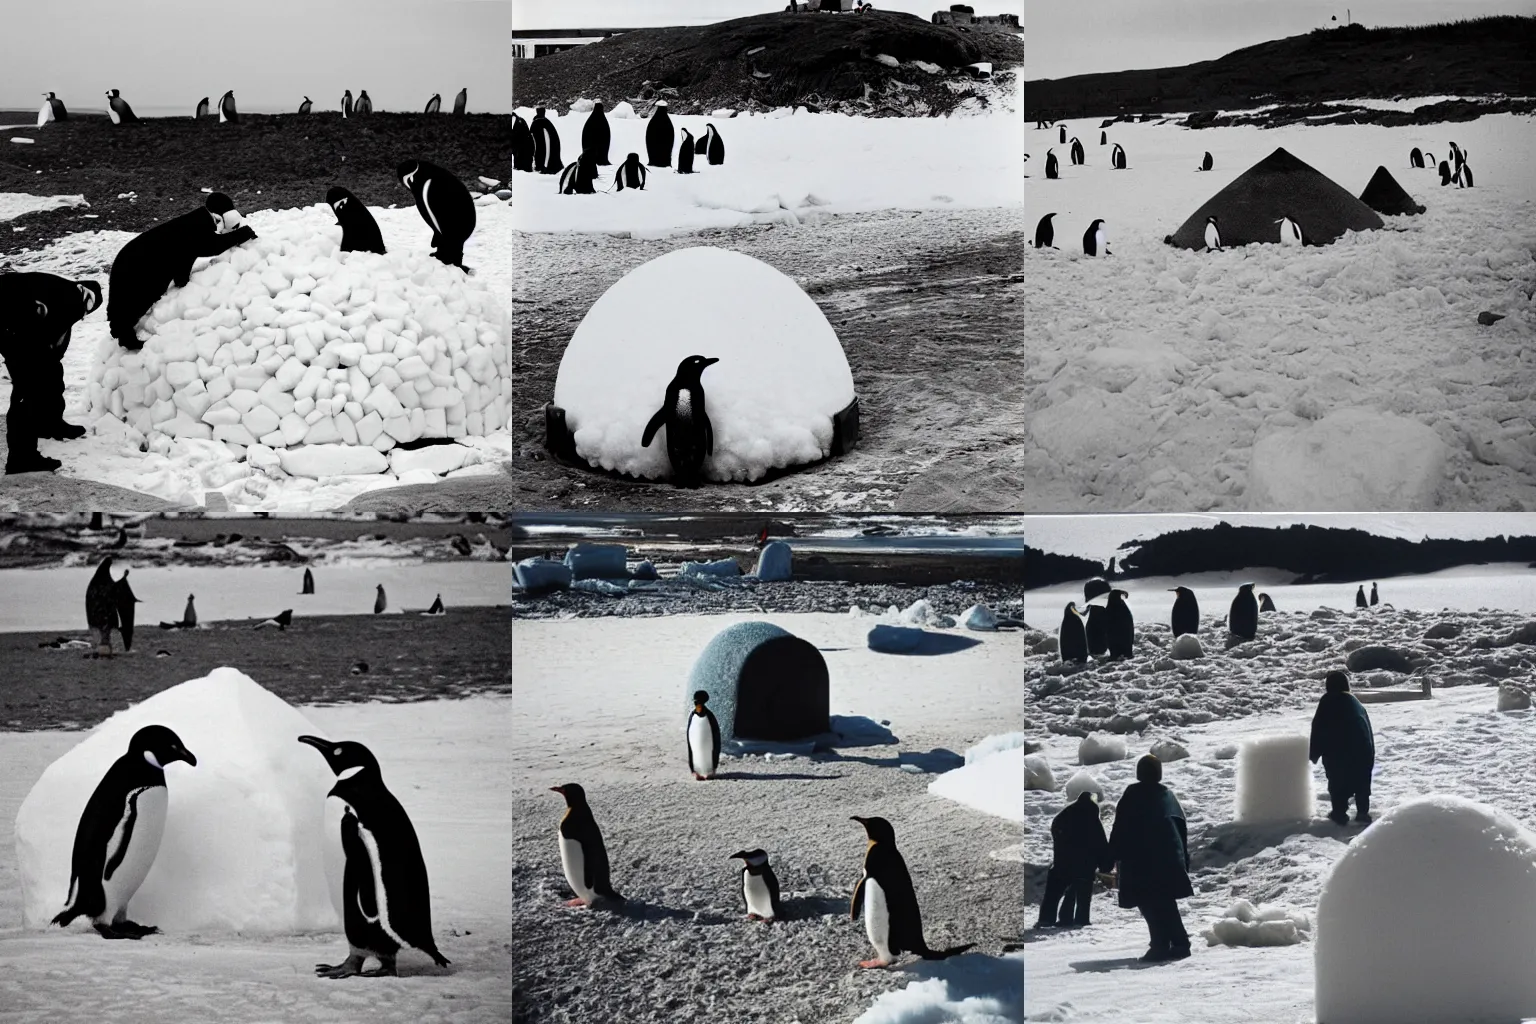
(1266, 604)
(1466, 173)
(579, 178)
(202, 109)
(685, 153)
(658, 137)
(309, 583)
(1063, 135)
(444, 203)
(119, 834)
(1094, 242)
(1416, 158)
(380, 602)
(759, 885)
(282, 620)
(1186, 612)
(1243, 617)
(631, 172)
(1207, 163)
(582, 853)
(546, 145)
(364, 104)
(52, 110)
(189, 615)
(1096, 630)
(1045, 233)
(385, 898)
(703, 738)
(227, 111)
(100, 606)
(1360, 601)
(1119, 625)
(522, 145)
(1103, 138)
(1117, 157)
(119, 109)
(1072, 638)
(359, 231)
(1076, 152)
(1095, 588)
(1212, 233)
(1445, 173)
(884, 892)
(596, 136)
(1290, 232)
(306, 106)
(690, 435)
(1374, 599)
(123, 601)
(346, 103)
(711, 145)
(461, 102)
(434, 105)
(1052, 168)
(437, 607)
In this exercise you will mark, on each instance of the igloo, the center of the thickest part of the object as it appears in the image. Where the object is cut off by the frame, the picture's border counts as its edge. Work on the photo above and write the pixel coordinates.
(243, 848)
(764, 683)
(780, 396)
(1429, 916)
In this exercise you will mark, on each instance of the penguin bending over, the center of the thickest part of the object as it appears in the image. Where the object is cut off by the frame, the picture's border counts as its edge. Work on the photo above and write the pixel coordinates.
(685, 153)
(1243, 617)
(434, 105)
(359, 231)
(1416, 158)
(444, 203)
(119, 834)
(1445, 173)
(1290, 232)
(306, 106)
(522, 145)
(582, 853)
(546, 144)
(759, 886)
(119, 109)
(461, 101)
(596, 135)
(1094, 242)
(690, 435)
(703, 738)
(579, 178)
(227, 112)
(1045, 233)
(202, 109)
(892, 921)
(385, 900)
(1096, 587)
(1072, 638)
(1186, 612)
(631, 173)
(1266, 603)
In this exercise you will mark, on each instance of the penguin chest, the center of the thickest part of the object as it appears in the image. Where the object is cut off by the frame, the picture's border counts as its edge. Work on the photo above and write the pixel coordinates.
(1212, 237)
(573, 859)
(116, 117)
(701, 745)
(683, 409)
(1098, 242)
(755, 889)
(333, 856)
(877, 918)
(131, 850)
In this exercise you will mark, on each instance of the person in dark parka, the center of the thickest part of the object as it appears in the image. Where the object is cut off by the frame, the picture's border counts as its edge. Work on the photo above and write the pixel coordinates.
(1079, 850)
(1150, 844)
(1342, 737)
(38, 313)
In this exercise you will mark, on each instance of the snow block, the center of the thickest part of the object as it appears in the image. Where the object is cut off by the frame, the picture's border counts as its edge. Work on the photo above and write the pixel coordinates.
(1081, 782)
(1243, 924)
(244, 842)
(895, 639)
(1186, 646)
(598, 561)
(993, 784)
(763, 682)
(1353, 460)
(721, 567)
(318, 461)
(1097, 748)
(536, 574)
(775, 562)
(979, 618)
(1274, 780)
(1037, 773)
(440, 459)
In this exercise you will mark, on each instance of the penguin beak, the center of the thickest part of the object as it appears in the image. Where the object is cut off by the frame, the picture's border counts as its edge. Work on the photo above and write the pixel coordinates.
(738, 855)
(710, 362)
(187, 756)
(557, 789)
(316, 742)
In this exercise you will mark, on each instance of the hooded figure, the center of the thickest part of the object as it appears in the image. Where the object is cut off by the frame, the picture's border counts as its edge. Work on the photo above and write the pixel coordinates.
(1078, 850)
(38, 313)
(1150, 844)
(1342, 737)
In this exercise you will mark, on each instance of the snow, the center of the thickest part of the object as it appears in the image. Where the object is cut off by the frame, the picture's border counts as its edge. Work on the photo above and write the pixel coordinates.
(1097, 748)
(970, 989)
(895, 639)
(993, 784)
(14, 204)
(1186, 647)
(1038, 774)
(781, 375)
(542, 574)
(1154, 377)
(1430, 916)
(993, 745)
(597, 561)
(786, 171)
(244, 841)
(775, 562)
(1081, 782)
(1246, 925)
(722, 567)
(1274, 780)
(980, 618)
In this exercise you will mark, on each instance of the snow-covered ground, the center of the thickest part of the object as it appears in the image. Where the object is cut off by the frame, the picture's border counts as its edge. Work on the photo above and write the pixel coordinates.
(14, 204)
(1351, 377)
(784, 170)
(447, 762)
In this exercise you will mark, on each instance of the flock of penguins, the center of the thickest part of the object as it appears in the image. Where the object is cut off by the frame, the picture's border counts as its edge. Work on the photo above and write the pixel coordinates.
(536, 147)
(53, 108)
(386, 902)
(1110, 628)
(1454, 170)
(884, 893)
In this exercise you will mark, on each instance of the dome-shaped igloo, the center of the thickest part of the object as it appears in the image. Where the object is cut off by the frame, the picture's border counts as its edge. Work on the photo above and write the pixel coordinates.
(1430, 917)
(764, 683)
(780, 396)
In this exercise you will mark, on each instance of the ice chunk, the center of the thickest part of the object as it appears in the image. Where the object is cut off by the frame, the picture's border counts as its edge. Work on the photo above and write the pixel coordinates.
(536, 574)
(1274, 780)
(1037, 773)
(319, 461)
(775, 562)
(439, 459)
(597, 561)
(1098, 748)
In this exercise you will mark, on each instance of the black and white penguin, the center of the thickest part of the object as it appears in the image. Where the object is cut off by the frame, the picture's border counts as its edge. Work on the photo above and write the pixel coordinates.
(580, 177)
(546, 144)
(631, 174)
(582, 853)
(1096, 587)
(444, 203)
(227, 112)
(1186, 612)
(1117, 157)
(759, 885)
(1076, 152)
(1063, 134)
(308, 586)
(1416, 158)
(282, 620)
(1212, 233)
(703, 738)
(884, 893)
(380, 601)
(685, 153)
(364, 104)
(1207, 163)
(202, 109)
(1445, 173)
(1094, 242)
(1103, 138)
(1096, 629)
(385, 899)
(434, 105)
(102, 611)
(1072, 638)
(1266, 603)
(659, 136)
(461, 101)
(596, 135)
(118, 108)
(1290, 232)
(123, 600)
(1119, 625)
(1052, 168)
(52, 110)
(306, 106)
(690, 435)
(711, 145)
(163, 256)
(188, 617)
(359, 231)
(119, 834)
(346, 103)
(1375, 600)
(522, 145)
(436, 607)
(1466, 175)
(1360, 601)
(1045, 233)
(1243, 616)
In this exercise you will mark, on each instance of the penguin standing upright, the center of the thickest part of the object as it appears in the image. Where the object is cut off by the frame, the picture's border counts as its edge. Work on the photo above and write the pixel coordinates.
(703, 738)
(546, 144)
(1076, 152)
(385, 900)
(685, 154)
(359, 231)
(346, 103)
(118, 108)
(100, 606)
(1466, 174)
(52, 110)
(380, 602)
(1445, 173)
(596, 136)
(884, 892)
(444, 203)
(659, 137)
(1360, 601)
(1374, 599)
(711, 145)
(189, 614)
(1290, 232)
(1103, 138)
(1096, 629)
(582, 853)
(759, 885)
(631, 173)
(1212, 233)
(1052, 168)
(1063, 130)
(690, 435)
(434, 105)
(1243, 616)
(227, 112)
(1186, 612)
(1119, 625)
(1117, 157)
(1094, 242)
(364, 104)
(1045, 232)
(308, 586)
(1207, 163)
(119, 834)
(1266, 603)
(522, 145)
(306, 106)
(202, 109)
(461, 101)
(1072, 638)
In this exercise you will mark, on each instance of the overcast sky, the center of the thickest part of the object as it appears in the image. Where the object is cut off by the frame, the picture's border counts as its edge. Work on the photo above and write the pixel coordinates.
(1074, 37)
(165, 55)
(645, 13)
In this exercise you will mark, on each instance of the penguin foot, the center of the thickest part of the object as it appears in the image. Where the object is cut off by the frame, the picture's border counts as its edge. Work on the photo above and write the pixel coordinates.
(874, 963)
(134, 930)
(386, 969)
(107, 931)
(754, 917)
(351, 966)
(577, 902)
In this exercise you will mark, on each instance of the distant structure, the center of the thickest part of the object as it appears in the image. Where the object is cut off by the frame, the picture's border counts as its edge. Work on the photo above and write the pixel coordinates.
(963, 16)
(541, 42)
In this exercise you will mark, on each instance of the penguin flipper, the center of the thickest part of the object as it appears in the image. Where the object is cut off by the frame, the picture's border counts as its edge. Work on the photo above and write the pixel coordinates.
(714, 729)
(944, 954)
(858, 899)
(773, 891)
(654, 425)
(709, 434)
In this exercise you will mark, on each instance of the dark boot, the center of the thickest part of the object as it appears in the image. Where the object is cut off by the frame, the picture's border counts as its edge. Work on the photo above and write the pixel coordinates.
(1340, 812)
(63, 431)
(1055, 888)
(1157, 948)
(1363, 808)
(1084, 892)
(30, 462)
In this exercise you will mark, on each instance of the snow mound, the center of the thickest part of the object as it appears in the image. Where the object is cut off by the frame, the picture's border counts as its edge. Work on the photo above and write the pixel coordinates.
(781, 377)
(980, 618)
(775, 562)
(1186, 647)
(286, 341)
(993, 785)
(1169, 750)
(719, 567)
(598, 561)
(1274, 780)
(1081, 782)
(622, 110)
(1353, 460)
(1246, 925)
(542, 574)
(1038, 774)
(970, 989)
(993, 744)
(1513, 698)
(243, 846)
(1097, 748)
(1430, 915)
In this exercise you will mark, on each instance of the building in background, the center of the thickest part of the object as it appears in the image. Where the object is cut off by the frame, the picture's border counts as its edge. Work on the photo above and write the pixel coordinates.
(964, 16)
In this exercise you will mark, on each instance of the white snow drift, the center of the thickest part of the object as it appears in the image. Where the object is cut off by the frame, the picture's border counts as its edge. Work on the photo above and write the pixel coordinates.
(1274, 780)
(781, 376)
(993, 783)
(243, 845)
(1246, 925)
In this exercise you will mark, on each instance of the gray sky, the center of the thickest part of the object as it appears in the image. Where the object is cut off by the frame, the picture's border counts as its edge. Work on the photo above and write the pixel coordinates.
(645, 13)
(165, 55)
(1074, 37)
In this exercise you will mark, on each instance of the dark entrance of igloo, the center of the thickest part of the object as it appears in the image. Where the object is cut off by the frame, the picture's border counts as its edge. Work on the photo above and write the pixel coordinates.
(763, 683)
